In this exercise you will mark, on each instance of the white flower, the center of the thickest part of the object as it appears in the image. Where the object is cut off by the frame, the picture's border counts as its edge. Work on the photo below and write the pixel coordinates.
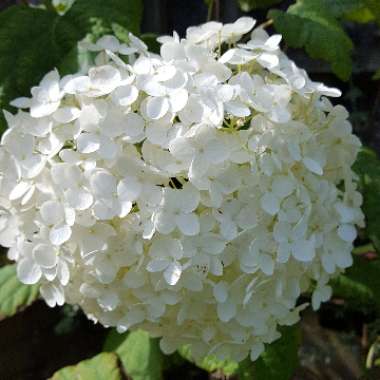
(23, 149)
(110, 201)
(190, 194)
(165, 254)
(233, 32)
(52, 294)
(206, 34)
(201, 148)
(177, 210)
(165, 88)
(46, 97)
(321, 294)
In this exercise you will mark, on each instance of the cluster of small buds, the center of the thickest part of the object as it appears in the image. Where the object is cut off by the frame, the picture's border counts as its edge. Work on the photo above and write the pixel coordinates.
(195, 193)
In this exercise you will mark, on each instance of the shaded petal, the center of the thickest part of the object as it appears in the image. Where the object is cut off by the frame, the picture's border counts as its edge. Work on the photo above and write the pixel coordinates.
(28, 272)
(157, 265)
(173, 273)
(270, 204)
(45, 255)
(157, 107)
(60, 235)
(188, 224)
(88, 143)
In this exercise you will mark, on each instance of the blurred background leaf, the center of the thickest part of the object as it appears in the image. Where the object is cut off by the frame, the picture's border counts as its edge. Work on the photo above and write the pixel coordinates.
(13, 294)
(278, 362)
(374, 8)
(367, 166)
(101, 367)
(47, 40)
(314, 26)
(250, 5)
(359, 286)
(211, 363)
(280, 359)
(140, 355)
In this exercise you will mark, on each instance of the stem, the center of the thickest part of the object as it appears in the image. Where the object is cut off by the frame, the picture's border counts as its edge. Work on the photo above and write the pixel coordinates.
(363, 249)
(266, 24)
(49, 6)
(370, 356)
(210, 9)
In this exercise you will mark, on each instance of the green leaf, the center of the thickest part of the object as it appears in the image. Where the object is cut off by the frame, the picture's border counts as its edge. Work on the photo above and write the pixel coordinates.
(151, 41)
(250, 5)
(374, 7)
(376, 76)
(101, 367)
(361, 15)
(99, 17)
(367, 166)
(278, 362)
(337, 8)
(140, 355)
(34, 41)
(357, 295)
(114, 340)
(13, 294)
(26, 52)
(280, 359)
(312, 25)
(210, 363)
(246, 370)
(360, 285)
(366, 272)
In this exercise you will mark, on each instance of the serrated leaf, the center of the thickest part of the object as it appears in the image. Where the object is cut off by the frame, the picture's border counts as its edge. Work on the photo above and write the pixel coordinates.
(367, 166)
(140, 355)
(310, 25)
(34, 41)
(280, 359)
(250, 5)
(210, 363)
(101, 367)
(13, 294)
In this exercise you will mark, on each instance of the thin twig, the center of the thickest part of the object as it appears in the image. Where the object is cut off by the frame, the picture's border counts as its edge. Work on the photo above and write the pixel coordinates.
(266, 24)
(49, 6)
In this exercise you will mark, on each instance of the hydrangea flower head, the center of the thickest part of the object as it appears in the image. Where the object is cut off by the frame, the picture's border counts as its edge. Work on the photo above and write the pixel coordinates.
(195, 193)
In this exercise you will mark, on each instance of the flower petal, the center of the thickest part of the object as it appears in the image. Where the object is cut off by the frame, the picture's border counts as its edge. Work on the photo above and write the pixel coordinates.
(45, 255)
(28, 272)
(173, 273)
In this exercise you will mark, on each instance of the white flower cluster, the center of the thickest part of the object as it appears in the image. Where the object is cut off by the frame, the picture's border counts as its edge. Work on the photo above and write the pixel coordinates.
(195, 194)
